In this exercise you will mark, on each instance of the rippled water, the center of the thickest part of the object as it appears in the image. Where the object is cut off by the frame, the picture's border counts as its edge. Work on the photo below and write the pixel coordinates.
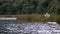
(17, 27)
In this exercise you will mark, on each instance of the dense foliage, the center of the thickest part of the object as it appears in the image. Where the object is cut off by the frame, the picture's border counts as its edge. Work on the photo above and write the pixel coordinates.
(29, 6)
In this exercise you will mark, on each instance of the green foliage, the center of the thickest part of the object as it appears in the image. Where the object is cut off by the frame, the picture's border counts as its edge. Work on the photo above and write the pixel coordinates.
(29, 6)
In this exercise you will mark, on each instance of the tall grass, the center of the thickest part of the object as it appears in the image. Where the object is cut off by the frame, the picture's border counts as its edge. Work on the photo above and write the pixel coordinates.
(39, 18)
(36, 17)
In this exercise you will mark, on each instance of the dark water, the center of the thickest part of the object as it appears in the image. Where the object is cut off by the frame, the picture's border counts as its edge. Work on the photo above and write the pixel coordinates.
(18, 27)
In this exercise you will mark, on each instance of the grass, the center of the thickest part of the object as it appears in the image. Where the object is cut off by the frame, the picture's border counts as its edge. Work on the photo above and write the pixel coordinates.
(39, 18)
(36, 17)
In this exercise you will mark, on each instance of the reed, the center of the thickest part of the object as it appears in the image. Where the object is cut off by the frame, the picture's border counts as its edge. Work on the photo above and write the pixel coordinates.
(36, 17)
(39, 18)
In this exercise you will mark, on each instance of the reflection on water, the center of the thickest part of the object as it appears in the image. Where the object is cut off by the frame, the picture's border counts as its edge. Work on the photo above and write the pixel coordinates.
(16, 27)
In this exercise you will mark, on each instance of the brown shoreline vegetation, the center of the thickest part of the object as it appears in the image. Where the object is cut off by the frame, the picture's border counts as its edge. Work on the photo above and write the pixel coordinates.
(35, 17)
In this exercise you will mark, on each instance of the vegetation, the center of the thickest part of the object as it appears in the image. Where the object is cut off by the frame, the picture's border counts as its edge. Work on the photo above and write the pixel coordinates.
(39, 18)
(35, 17)
(31, 10)
(29, 6)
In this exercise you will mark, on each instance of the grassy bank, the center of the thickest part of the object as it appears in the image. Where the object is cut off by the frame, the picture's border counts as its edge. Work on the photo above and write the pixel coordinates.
(39, 18)
(36, 17)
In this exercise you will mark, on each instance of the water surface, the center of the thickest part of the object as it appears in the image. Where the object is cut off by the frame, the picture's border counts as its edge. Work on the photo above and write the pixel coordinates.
(18, 27)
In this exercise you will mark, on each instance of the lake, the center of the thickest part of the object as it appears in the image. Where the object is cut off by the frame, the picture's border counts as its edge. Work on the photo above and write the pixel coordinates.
(19, 27)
